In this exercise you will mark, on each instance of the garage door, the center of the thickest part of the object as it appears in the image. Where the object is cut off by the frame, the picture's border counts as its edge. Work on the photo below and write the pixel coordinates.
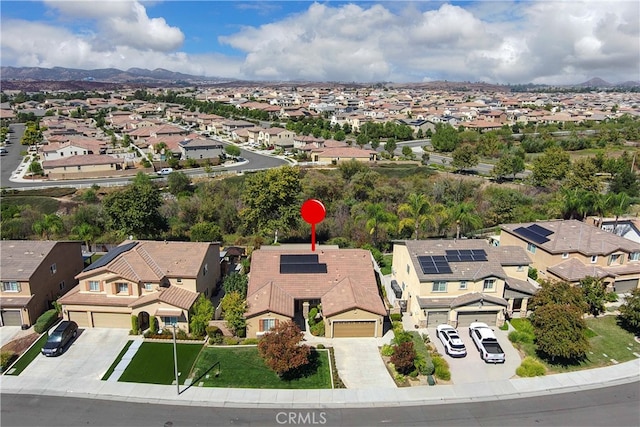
(465, 319)
(623, 286)
(354, 329)
(112, 320)
(11, 318)
(80, 317)
(435, 318)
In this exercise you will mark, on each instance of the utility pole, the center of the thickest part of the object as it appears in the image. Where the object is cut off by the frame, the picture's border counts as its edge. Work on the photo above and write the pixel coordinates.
(175, 360)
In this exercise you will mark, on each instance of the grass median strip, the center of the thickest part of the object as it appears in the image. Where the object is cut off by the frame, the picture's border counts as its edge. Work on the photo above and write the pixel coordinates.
(115, 362)
(243, 367)
(153, 363)
(28, 356)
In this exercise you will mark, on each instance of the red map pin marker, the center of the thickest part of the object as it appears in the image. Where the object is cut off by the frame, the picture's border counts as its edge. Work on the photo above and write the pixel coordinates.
(313, 212)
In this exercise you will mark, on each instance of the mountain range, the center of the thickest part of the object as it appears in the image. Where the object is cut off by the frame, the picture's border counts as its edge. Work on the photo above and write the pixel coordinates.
(160, 76)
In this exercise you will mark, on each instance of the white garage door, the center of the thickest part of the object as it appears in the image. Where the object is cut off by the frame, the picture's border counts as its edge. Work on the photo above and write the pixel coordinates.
(435, 318)
(11, 318)
(465, 319)
(112, 320)
(624, 286)
(80, 317)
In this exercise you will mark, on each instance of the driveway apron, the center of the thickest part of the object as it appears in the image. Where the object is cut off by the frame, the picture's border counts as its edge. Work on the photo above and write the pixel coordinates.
(360, 365)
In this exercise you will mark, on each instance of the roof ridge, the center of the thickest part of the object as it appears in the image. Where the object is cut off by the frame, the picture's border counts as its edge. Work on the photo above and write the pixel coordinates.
(146, 256)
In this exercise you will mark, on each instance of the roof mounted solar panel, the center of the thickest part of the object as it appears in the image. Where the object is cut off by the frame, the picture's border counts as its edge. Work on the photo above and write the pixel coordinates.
(303, 268)
(110, 256)
(298, 258)
(531, 235)
(540, 230)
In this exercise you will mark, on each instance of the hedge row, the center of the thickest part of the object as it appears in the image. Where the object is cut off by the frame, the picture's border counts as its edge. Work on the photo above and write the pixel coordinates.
(45, 321)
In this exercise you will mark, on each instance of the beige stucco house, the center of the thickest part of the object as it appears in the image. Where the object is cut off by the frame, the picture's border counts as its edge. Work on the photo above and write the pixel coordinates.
(144, 278)
(461, 281)
(33, 275)
(570, 250)
(287, 281)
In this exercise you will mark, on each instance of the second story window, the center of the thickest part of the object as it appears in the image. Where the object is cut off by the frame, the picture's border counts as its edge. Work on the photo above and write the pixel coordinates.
(122, 288)
(614, 259)
(565, 255)
(439, 286)
(61, 285)
(489, 285)
(148, 286)
(53, 268)
(11, 287)
(94, 286)
(634, 256)
(463, 284)
(594, 259)
(179, 280)
(205, 269)
(531, 248)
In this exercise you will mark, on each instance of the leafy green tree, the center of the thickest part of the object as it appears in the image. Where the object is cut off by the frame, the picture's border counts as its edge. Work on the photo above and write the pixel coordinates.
(390, 147)
(232, 150)
(625, 181)
(205, 232)
(558, 292)
(552, 165)
(351, 167)
(630, 311)
(408, 153)
(583, 175)
(236, 282)
(234, 306)
(178, 183)
(35, 168)
(50, 224)
(489, 144)
(445, 139)
(594, 294)
(281, 349)
(509, 164)
(201, 313)
(417, 212)
(271, 200)
(362, 140)
(339, 135)
(87, 233)
(560, 332)
(466, 218)
(135, 210)
(464, 157)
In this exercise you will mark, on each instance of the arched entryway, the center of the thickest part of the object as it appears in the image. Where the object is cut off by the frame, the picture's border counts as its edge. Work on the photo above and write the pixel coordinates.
(143, 321)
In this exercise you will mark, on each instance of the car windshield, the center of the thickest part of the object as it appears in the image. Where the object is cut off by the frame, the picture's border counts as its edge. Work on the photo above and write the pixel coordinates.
(458, 346)
(55, 337)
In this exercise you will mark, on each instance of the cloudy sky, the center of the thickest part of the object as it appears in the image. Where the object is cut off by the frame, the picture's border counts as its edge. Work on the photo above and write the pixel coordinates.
(537, 41)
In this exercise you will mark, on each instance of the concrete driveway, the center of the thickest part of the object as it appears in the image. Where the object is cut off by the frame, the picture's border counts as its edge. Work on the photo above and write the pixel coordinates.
(472, 369)
(359, 363)
(7, 333)
(88, 356)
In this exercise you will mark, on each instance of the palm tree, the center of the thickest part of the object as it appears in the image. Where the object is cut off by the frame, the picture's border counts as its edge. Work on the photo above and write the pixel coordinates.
(465, 216)
(377, 217)
(618, 203)
(86, 232)
(419, 211)
(48, 225)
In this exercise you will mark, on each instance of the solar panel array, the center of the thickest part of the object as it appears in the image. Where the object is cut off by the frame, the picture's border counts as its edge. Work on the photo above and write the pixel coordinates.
(436, 264)
(534, 233)
(466, 255)
(110, 256)
(301, 264)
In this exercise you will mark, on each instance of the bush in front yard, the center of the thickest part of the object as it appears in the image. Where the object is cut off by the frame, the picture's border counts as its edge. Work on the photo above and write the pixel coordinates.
(530, 367)
(403, 356)
(387, 350)
(318, 329)
(424, 365)
(521, 337)
(6, 359)
(250, 341)
(45, 321)
(153, 326)
(441, 367)
(396, 317)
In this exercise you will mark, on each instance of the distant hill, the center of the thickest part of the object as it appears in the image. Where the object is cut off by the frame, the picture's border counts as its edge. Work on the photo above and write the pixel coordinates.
(595, 82)
(105, 75)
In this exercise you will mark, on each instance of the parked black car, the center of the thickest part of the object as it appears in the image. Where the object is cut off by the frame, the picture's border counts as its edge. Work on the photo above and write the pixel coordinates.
(59, 338)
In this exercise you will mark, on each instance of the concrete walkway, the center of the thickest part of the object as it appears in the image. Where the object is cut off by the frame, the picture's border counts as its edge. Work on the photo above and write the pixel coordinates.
(126, 359)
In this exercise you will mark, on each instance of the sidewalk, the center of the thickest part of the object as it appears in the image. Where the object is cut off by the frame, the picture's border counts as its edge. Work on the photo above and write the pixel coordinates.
(341, 398)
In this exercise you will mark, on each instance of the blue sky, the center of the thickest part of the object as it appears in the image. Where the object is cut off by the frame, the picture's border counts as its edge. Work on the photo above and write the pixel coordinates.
(536, 41)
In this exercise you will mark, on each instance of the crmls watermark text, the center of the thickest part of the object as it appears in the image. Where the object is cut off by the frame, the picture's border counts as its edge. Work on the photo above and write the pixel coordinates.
(301, 418)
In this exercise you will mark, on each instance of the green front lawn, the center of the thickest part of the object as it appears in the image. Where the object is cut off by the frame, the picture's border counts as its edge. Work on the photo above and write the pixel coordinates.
(28, 356)
(244, 368)
(608, 341)
(153, 363)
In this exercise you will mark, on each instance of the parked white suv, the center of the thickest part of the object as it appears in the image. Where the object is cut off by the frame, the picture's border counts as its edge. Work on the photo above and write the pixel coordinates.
(165, 171)
(451, 341)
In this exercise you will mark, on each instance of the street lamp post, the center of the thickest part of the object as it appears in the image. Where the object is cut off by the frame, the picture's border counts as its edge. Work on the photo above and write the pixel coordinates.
(175, 359)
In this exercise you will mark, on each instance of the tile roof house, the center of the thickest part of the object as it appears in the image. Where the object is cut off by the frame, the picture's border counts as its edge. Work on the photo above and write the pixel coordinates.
(286, 281)
(461, 281)
(343, 154)
(570, 250)
(144, 278)
(33, 275)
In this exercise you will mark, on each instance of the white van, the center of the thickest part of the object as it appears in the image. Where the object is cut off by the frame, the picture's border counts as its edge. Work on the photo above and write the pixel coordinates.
(165, 171)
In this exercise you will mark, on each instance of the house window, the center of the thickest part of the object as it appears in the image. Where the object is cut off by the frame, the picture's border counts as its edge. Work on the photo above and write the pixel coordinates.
(179, 280)
(94, 285)
(489, 285)
(61, 285)
(11, 286)
(122, 288)
(565, 255)
(439, 286)
(148, 286)
(79, 168)
(531, 248)
(614, 259)
(169, 320)
(53, 268)
(463, 284)
(520, 268)
(634, 256)
(268, 324)
(594, 259)
(205, 269)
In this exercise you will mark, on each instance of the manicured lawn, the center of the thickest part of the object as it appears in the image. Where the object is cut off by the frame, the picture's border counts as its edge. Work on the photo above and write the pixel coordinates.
(153, 363)
(115, 362)
(28, 356)
(608, 341)
(242, 367)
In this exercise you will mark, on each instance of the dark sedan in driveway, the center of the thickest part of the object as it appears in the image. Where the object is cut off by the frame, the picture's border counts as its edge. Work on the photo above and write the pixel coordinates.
(59, 338)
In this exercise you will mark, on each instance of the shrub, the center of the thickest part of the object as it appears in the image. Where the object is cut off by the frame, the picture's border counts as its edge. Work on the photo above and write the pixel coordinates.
(530, 367)
(241, 333)
(521, 337)
(6, 359)
(318, 329)
(312, 316)
(320, 346)
(413, 374)
(611, 297)
(213, 331)
(45, 321)
(216, 339)
(230, 341)
(134, 324)
(443, 373)
(401, 337)
(424, 365)
(387, 350)
(397, 326)
(181, 334)
(250, 341)
(153, 327)
(396, 317)
(403, 356)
